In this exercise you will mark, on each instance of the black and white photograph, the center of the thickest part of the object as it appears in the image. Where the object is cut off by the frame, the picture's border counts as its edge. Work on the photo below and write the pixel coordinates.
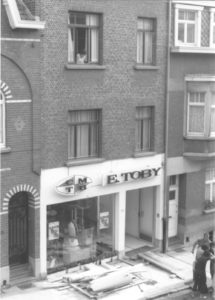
(107, 143)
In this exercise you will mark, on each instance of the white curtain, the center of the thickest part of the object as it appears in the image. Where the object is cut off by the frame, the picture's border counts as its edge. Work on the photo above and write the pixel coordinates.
(70, 46)
(143, 135)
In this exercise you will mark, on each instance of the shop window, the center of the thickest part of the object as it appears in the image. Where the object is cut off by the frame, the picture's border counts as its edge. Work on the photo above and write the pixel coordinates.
(79, 232)
(84, 133)
(146, 41)
(144, 129)
(83, 38)
(201, 109)
(2, 121)
(210, 188)
(187, 25)
(212, 27)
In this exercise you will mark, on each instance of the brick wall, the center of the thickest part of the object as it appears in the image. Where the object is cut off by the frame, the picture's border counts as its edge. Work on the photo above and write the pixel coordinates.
(117, 90)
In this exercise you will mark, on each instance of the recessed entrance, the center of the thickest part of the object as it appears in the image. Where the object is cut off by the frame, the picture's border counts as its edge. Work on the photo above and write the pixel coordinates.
(18, 229)
(140, 216)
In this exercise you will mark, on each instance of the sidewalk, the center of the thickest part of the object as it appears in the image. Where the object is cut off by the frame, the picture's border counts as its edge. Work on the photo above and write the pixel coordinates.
(161, 274)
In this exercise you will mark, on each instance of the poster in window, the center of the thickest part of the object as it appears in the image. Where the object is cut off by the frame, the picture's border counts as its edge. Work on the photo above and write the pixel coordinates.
(53, 230)
(104, 220)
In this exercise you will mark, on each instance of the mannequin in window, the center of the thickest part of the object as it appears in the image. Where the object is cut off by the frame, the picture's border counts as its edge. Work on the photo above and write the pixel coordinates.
(70, 244)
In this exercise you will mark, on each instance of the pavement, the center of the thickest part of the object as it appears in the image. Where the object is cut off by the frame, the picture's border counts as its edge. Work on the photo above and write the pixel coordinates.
(161, 275)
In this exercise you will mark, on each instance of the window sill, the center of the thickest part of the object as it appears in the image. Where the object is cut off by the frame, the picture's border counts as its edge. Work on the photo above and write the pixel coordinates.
(209, 211)
(87, 161)
(5, 150)
(146, 67)
(142, 154)
(84, 67)
(189, 49)
(199, 138)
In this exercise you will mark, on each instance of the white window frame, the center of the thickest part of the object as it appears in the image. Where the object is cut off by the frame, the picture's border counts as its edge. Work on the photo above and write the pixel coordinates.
(205, 81)
(197, 38)
(211, 182)
(15, 19)
(212, 27)
(3, 103)
(150, 119)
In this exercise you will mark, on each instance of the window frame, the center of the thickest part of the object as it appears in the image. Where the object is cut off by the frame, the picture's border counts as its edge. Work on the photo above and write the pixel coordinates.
(144, 31)
(88, 29)
(212, 27)
(211, 183)
(197, 30)
(81, 123)
(204, 86)
(150, 147)
(3, 103)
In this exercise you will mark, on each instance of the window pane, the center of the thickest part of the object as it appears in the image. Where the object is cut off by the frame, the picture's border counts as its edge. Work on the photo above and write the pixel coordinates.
(148, 48)
(140, 47)
(172, 195)
(181, 32)
(213, 191)
(191, 15)
(196, 119)
(94, 45)
(172, 180)
(82, 141)
(72, 142)
(143, 128)
(212, 125)
(94, 140)
(190, 33)
(71, 46)
(146, 134)
(181, 15)
(207, 192)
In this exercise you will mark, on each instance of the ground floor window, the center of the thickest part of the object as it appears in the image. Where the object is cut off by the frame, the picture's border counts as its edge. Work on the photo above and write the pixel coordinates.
(79, 231)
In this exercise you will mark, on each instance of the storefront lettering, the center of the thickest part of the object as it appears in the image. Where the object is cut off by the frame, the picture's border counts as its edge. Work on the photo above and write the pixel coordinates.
(127, 176)
(73, 184)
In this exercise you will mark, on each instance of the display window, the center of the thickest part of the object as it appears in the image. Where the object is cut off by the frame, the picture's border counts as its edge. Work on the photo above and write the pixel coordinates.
(79, 232)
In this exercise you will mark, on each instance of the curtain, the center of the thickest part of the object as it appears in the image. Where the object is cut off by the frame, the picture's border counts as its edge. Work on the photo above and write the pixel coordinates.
(70, 46)
(196, 119)
(143, 129)
(190, 33)
(148, 48)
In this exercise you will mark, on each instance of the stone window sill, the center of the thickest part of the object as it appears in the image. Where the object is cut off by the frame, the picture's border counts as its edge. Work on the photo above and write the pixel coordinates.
(139, 67)
(204, 138)
(5, 150)
(87, 161)
(142, 154)
(209, 211)
(84, 67)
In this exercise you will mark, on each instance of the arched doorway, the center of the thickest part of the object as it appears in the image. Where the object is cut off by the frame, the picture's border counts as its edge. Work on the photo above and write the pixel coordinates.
(18, 229)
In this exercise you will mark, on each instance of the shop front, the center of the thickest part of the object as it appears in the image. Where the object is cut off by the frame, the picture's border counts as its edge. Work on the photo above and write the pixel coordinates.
(88, 217)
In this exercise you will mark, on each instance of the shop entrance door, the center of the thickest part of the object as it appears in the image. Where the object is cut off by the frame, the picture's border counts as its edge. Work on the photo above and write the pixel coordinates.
(173, 207)
(18, 229)
(146, 208)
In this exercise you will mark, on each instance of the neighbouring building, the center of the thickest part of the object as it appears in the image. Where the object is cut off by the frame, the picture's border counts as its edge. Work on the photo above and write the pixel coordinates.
(191, 126)
(103, 121)
(20, 139)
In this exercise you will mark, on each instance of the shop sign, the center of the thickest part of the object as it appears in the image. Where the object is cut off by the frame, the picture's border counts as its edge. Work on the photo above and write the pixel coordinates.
(54, 231)
(71, 185)
(104, 220)
(131, 176)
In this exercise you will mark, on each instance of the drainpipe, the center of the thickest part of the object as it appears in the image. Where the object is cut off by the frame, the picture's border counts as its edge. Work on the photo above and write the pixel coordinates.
(166, 181)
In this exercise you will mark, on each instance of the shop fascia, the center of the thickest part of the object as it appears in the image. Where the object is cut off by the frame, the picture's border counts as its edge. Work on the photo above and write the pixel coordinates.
(131, 176)
(76, 183)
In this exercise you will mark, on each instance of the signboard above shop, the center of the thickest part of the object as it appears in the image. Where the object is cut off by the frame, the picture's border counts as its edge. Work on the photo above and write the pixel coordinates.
(128, 176)
(72, 185)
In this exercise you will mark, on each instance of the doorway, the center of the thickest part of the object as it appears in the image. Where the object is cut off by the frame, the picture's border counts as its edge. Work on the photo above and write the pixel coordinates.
(173, 207)
(18, 229)
(140, 214)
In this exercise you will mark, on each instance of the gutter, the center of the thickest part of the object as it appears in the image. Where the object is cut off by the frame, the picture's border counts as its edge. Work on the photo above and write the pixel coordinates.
(166, 181)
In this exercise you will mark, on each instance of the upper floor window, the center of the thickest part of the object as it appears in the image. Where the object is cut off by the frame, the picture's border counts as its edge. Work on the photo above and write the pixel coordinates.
(187, 25)
(210, 185)
(212, 27)
(84, 133)
(201, 109)
(2, 120)
(146, 41)
(144, 128)
(83, 38)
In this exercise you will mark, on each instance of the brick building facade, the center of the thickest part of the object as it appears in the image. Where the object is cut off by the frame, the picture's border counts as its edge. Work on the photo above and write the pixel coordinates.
(20, 138)
(191, 137)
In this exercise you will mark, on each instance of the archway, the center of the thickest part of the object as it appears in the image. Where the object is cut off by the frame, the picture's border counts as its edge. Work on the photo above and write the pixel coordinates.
(18, 228)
